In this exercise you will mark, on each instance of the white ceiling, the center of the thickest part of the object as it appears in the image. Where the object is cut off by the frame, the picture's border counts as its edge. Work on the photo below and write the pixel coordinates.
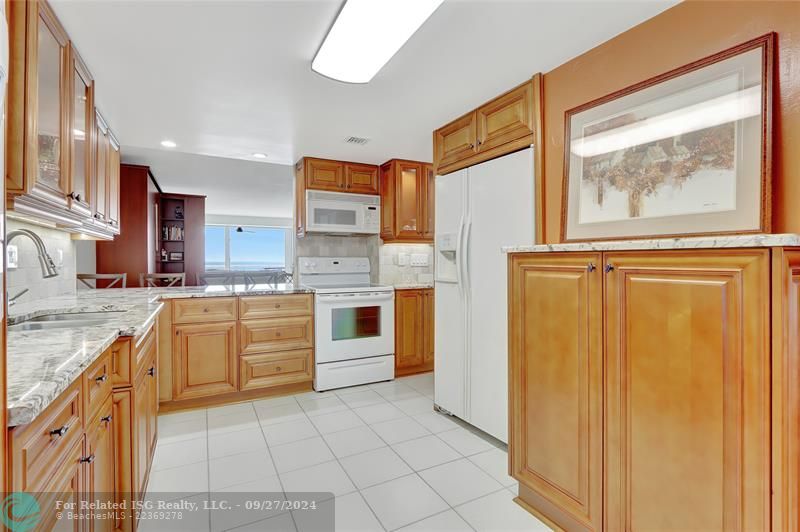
(230, 78)
(233, 187)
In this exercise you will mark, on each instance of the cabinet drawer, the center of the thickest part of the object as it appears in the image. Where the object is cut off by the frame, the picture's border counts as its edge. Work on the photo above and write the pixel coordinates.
(276, 334)
(97, 384)
(142, 347)
(39, 448)
(274, 369)
(204, 310)
(122, 363)
(254, 307)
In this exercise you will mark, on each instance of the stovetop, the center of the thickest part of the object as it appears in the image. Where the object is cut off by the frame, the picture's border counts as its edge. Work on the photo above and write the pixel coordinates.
(329, 288)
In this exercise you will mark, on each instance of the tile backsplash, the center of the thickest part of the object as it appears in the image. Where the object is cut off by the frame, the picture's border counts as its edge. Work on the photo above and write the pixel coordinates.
(28, 274)
(393, 273)
(340, 246)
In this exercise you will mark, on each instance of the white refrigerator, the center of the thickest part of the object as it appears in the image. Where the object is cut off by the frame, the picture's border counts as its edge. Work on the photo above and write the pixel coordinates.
(478, 210)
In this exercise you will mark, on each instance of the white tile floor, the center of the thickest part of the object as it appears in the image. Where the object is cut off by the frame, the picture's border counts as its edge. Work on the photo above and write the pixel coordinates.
(391, 462)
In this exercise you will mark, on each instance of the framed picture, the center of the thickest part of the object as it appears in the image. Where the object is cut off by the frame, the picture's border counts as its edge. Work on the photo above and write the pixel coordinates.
(176, 255)
(687, 153)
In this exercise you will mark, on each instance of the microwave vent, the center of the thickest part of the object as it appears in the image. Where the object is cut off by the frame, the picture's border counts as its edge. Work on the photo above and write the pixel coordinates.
(356, 140)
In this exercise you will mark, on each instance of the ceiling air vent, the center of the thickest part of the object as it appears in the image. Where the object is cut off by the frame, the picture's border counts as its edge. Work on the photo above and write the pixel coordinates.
(356, 140)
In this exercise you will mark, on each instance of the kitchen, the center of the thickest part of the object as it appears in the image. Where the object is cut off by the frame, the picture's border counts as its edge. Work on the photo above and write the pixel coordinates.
(384, 304)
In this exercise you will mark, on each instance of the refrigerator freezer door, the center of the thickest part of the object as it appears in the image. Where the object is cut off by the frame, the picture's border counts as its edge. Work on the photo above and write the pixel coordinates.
(449, 307)
(501, 213)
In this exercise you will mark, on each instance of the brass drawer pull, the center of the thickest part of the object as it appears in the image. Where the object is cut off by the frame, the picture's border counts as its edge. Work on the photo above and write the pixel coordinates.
(88, 460)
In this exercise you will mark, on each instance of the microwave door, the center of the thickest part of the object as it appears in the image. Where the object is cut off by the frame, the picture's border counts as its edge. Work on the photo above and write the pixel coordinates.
(334, 217)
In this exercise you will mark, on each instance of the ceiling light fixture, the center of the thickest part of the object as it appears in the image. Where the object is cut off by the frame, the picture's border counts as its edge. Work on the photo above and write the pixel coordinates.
(366, 34)
(168, 143)
(260, 155)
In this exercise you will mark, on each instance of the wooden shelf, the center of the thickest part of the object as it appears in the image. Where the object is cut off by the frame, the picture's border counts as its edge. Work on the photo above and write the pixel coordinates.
(167, 240)
(170, 261)
(172, 219)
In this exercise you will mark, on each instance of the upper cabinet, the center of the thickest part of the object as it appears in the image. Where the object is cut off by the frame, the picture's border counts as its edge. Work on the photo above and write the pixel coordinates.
(498, 127)
(339, 176)
(101, 148)
(407, 201)
(52, 154)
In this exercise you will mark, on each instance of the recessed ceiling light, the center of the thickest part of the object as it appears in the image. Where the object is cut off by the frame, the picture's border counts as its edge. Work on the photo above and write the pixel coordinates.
(366, 34)
(168, 143)
(260, 155)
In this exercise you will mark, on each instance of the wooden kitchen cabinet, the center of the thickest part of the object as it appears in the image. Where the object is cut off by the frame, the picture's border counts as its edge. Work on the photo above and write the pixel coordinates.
(339, 176)
(498, 127)
(407, 196)
(413, 331)
(80, 135)
(656, 412)
(145, 421)
(100, 464)
(113, 184)
(102, 145)
(267, 370)
(65, 486)
(205, 360)
(556, 433)
(126, 487)
(361, 178)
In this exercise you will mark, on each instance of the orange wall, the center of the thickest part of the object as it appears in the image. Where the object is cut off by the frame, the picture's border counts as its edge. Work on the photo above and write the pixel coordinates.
(689, 31)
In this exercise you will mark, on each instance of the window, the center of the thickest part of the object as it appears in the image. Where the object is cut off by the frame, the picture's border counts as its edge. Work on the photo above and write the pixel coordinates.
(247, 248)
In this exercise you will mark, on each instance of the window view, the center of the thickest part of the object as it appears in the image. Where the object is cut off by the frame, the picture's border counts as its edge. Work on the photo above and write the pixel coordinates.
(245, 248)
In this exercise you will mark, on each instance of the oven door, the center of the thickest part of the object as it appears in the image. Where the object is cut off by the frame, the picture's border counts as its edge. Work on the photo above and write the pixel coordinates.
(353, 325)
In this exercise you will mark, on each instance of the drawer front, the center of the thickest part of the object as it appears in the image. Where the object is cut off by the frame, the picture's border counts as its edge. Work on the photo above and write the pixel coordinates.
(39, 448)
(277, 334)
(122, 363)
(142, 347)
(97, 384)
(204, 309)
(274, 369)
(255, 307)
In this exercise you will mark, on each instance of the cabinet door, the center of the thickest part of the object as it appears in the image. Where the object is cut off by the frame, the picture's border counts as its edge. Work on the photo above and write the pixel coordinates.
(99, 460)
(82, 119)
(49, 147)
(555, 387)
(687, 380)
(67, 487)
(204, 360)
(428, 327)
(408, 204)
(141, 425)
(322, 174)
(428, 202)
(361, 178)
(125, 471)
(408, 328)
(113, 183)
(507, 118)
(455, 141)
(101, 147)
(387, 201)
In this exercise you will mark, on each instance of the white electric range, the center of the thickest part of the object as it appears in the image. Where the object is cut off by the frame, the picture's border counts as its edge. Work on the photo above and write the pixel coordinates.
(353, 322)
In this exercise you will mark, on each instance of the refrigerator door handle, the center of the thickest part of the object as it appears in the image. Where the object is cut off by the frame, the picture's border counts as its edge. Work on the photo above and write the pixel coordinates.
(459, 252)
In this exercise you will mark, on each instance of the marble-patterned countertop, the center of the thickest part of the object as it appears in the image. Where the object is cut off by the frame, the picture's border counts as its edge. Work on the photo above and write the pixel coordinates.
(43, 363)
(703, 242)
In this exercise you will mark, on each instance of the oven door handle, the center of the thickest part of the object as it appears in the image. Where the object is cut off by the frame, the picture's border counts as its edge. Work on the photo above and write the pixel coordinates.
(363, 298)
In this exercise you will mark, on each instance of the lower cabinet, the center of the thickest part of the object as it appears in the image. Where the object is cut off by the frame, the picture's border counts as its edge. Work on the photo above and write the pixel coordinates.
(640, 389)
(204, 360)
(66, 487)
(145, 421)
(125, 471)
(414, 329)
(274, 369)
(100, 465)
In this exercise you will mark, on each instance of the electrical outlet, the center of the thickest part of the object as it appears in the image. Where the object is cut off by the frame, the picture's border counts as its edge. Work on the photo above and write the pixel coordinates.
(12, 256)
(419, 259)
(59, 257)
(402, 259)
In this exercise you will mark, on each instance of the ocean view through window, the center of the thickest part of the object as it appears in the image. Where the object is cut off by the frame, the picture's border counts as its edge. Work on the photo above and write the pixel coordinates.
(241, 248)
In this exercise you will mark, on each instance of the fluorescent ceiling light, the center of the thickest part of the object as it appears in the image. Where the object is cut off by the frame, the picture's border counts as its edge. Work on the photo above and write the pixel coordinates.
(260, 155)
(366, 34)
(724, 109)
(168, 143)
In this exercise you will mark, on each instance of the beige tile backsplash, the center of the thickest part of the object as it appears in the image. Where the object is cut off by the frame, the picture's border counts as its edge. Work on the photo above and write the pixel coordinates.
(29, 274)
(393, 274)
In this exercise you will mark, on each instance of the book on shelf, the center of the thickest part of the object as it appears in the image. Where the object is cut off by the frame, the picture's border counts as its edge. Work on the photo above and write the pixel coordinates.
(172, 232)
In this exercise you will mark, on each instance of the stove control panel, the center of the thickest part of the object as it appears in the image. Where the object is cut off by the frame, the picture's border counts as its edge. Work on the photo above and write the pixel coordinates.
(334, 265)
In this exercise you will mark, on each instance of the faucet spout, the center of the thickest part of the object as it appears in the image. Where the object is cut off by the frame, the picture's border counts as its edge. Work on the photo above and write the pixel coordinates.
(49, 268)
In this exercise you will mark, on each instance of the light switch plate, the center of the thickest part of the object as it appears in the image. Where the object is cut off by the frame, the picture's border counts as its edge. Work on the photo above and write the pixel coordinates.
(12, 256)
(402, 259)
(419, 259)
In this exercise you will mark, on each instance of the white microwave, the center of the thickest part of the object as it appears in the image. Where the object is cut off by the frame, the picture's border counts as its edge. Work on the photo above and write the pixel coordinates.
(343, 213)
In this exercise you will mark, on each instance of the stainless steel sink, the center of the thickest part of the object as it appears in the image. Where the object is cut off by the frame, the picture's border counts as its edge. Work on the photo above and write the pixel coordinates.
(61, 324)
(75, 316)
(64, 321)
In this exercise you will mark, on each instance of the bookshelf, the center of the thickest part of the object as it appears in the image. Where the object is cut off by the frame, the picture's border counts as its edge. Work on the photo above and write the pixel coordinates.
(181, 235)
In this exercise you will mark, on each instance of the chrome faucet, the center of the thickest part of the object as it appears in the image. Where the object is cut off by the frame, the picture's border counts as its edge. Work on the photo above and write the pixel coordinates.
(12, 300)
(45, 261)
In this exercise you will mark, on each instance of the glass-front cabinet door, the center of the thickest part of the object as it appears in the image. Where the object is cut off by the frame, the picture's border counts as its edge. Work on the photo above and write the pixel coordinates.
(100, 181)
(51, 156)
(407, 190)
(428, 201)
(81, 116)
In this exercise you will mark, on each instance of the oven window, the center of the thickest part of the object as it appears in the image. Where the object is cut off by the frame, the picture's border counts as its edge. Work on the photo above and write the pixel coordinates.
(356, 322)
(334, 216)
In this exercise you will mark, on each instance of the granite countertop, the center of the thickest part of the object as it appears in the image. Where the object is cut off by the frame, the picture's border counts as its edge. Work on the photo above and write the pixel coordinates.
(43, 363)
(413, 286)
(703, 242)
